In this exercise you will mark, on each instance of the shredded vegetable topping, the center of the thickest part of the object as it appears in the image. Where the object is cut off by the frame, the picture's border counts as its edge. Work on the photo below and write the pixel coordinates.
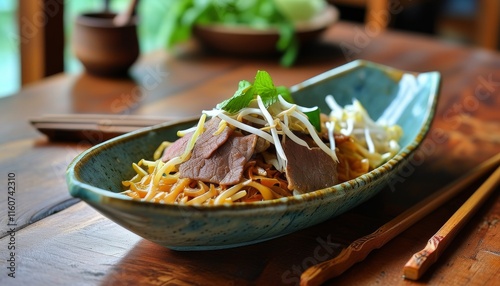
(378, 142)
(348, 139)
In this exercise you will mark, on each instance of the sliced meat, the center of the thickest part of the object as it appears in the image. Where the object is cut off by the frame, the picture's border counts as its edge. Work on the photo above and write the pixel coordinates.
(261, 145)
(225, 166)
(177, 148)
(205, 145)
(307, 169)
(208, 142)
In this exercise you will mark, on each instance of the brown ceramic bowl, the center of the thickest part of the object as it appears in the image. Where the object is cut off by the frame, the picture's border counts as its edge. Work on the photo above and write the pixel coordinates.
(103, 48)
(244, 40)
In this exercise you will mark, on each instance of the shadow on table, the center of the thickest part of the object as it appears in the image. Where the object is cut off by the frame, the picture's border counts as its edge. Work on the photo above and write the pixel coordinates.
(310, 54)
(93, 94)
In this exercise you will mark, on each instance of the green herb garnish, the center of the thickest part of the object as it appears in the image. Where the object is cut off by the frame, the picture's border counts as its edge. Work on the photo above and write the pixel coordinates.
(183, 15)
(314, 118)
(264, 87)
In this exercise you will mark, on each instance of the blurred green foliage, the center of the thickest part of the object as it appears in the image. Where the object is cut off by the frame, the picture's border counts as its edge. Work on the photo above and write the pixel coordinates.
(258, 14)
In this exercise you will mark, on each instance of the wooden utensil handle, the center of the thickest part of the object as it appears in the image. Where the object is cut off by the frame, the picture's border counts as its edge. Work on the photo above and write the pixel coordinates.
(423, 259)
(359, 249)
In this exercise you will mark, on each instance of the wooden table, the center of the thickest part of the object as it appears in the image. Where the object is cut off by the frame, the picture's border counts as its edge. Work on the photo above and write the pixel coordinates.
(61, 241)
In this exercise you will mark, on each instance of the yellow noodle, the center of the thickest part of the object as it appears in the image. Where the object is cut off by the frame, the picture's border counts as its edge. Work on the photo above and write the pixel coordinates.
(227, 193)
(264, 191)
(140, 171)
(176, 190)
(203, 198)
(159, 151)
(238, 196)
(194, 192)
(159, 181)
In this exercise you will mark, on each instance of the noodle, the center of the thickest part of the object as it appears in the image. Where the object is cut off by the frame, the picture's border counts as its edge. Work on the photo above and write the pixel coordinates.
(348, 136)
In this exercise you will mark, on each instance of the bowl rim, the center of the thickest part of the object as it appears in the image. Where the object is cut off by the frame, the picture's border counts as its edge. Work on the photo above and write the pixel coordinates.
(92, 194)
(327, 17)
(103, 20)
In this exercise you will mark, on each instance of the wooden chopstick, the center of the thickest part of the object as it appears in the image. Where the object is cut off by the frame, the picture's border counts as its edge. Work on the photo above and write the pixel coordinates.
(101, 119)
(94, 128)
(422, 260)
(359, 249)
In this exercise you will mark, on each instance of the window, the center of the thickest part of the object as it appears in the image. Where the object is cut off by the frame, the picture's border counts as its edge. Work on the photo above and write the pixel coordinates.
(9, 50)
(150, 14)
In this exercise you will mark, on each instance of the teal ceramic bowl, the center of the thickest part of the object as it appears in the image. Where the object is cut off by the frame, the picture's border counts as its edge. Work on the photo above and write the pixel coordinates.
(95, 175)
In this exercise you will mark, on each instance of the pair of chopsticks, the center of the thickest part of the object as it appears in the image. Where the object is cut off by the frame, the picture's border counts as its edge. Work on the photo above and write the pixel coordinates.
(422, 260)
(91, 127)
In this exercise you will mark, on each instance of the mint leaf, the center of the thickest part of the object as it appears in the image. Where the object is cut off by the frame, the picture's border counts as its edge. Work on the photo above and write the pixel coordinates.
(264, 87)
(240, 99)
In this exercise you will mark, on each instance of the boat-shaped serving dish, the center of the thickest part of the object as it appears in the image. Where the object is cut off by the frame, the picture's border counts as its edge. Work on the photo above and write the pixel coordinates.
(405, 98)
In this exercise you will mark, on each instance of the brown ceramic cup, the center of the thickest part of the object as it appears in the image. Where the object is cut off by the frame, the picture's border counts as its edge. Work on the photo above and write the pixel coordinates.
(103, 48)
